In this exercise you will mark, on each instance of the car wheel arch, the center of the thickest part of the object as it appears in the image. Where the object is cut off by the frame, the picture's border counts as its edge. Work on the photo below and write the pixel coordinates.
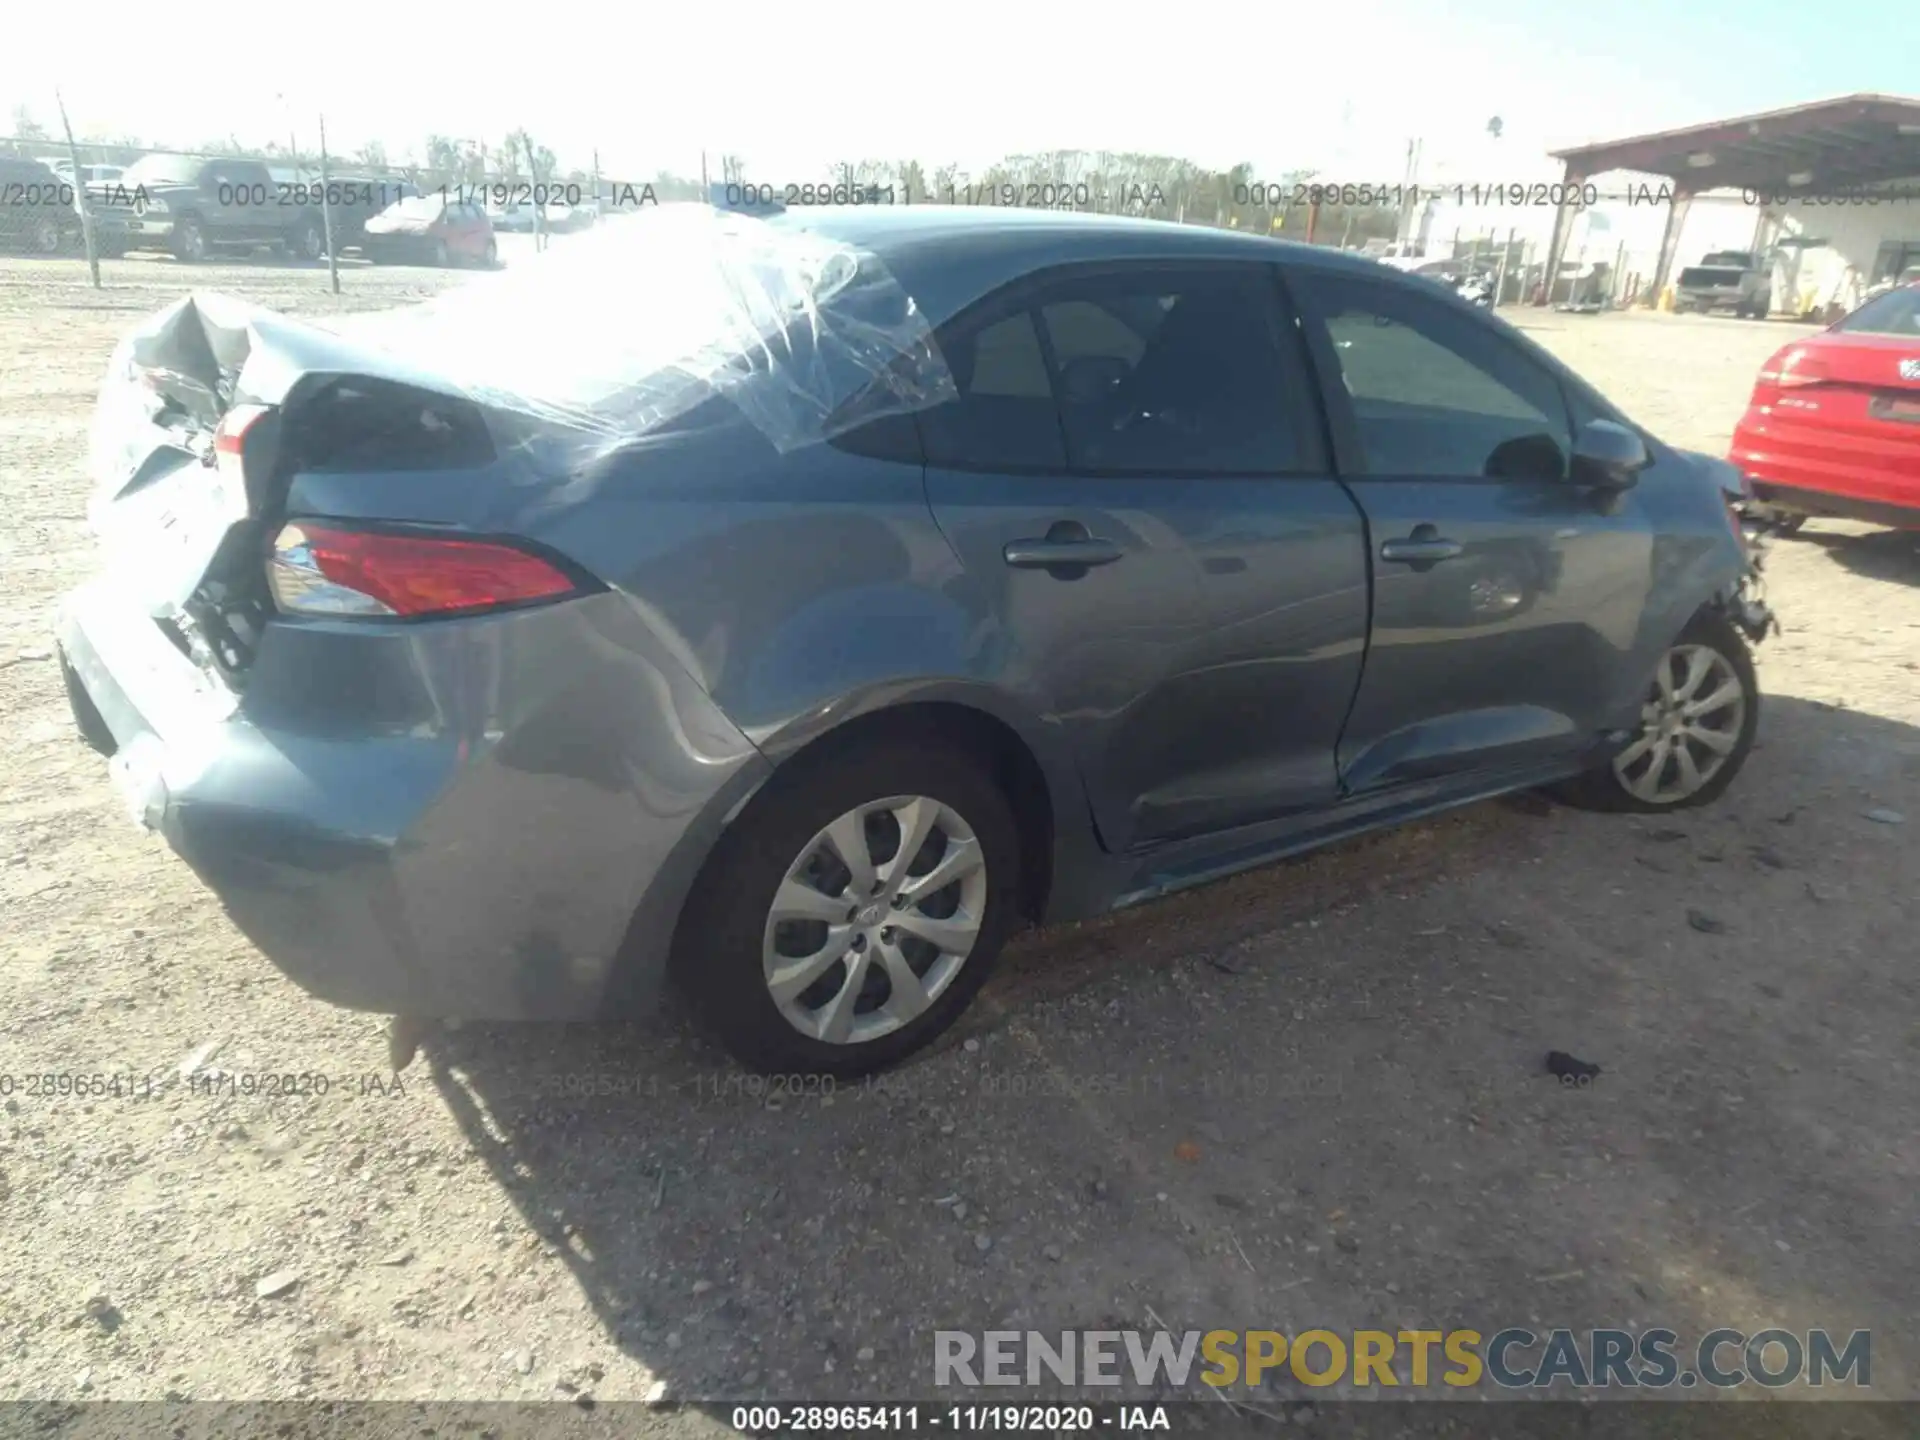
(1037, 790)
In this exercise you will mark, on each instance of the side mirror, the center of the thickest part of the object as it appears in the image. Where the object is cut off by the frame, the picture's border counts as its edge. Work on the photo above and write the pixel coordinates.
(1608, 456)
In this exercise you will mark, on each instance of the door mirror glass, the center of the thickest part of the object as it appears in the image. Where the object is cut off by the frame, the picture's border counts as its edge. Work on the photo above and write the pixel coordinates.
(1608, 456)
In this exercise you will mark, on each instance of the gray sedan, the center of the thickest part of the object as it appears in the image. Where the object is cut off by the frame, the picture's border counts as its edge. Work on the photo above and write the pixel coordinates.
(792, 606)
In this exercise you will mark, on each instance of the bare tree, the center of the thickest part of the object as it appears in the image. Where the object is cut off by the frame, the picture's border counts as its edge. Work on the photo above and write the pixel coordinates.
(25, 127)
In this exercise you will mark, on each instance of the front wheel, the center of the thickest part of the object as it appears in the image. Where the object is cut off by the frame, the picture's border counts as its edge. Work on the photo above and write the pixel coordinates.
(852, 913)
(1697, 723)
(190, 240)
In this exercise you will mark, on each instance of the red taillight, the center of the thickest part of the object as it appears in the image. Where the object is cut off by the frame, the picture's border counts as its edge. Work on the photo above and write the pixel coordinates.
(229, 440)
(327, 570)
(1795, 366)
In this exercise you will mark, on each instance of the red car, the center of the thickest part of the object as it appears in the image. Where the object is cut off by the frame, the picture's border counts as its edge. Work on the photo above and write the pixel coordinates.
(1834, 424)
(431, 230)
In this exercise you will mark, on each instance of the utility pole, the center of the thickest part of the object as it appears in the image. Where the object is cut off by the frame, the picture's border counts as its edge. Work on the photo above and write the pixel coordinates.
(80, 195)
(326, 212)
(537, 191)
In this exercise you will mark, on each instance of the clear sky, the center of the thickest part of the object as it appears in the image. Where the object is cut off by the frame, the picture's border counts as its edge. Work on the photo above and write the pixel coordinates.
(795, 88)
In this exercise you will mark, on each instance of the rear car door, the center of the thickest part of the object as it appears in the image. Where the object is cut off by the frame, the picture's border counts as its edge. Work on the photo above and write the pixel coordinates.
(474, 230)
(1506, 601)
(1134, 479)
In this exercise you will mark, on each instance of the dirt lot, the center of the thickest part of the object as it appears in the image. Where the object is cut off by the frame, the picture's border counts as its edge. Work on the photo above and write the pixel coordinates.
(1310, 1097)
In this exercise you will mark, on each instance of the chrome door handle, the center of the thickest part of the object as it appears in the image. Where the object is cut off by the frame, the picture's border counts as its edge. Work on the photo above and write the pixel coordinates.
(1049, 554)
(1425, 546)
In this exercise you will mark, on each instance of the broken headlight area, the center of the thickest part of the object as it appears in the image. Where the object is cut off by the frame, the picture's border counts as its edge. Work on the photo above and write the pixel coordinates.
(1747, 608)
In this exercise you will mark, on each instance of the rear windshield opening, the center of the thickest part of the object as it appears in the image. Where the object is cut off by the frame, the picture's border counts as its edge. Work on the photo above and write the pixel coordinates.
(363, 424)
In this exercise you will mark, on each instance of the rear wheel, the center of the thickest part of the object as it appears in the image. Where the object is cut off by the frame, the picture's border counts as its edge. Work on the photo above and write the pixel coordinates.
(45, 236)
(1697, 723)
(493, 255)
(310, 241)
(440, 256)
(852, 913)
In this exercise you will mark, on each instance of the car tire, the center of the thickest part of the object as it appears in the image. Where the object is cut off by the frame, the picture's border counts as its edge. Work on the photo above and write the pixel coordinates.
(730, 940)
(492, 260)
(45, 236)
(310, 241)
(1618, 786)
(190, 240)
(441, 257)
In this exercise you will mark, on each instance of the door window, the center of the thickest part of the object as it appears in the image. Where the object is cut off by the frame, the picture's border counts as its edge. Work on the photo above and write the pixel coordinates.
(1434, 392)
(1146, 370)
(1170, 371)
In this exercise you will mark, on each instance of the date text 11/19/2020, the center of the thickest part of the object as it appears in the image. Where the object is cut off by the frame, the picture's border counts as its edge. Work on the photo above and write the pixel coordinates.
(1023, 195)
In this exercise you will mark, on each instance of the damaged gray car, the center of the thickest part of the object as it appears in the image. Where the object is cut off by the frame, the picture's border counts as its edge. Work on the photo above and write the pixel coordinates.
(793, 605)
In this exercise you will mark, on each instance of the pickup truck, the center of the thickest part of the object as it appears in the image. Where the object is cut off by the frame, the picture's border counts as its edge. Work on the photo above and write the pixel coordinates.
(197, 208)
(1738, 280)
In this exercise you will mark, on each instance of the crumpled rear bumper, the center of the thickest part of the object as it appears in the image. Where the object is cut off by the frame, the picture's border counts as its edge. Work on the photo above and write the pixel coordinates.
(397, 837)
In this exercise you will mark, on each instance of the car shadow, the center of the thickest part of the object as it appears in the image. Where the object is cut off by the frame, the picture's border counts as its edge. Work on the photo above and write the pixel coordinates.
(1877, 555)
(747, 1237)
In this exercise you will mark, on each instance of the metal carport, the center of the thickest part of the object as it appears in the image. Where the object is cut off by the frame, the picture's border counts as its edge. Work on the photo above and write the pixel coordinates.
(1827, 148)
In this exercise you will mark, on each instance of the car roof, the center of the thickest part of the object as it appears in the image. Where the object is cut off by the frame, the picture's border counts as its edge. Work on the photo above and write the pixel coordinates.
(946, 256)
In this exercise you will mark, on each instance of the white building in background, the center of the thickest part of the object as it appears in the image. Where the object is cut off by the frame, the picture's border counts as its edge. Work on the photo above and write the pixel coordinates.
(1830, 254)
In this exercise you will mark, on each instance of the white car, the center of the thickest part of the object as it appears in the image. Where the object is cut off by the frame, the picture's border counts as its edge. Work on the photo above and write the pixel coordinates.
(94, 174)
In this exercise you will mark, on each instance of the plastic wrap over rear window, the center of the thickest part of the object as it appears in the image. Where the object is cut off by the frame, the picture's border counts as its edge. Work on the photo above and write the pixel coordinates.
(613, 333)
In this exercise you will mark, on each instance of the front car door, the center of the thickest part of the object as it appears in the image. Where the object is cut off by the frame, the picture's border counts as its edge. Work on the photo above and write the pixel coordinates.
(241, 202)
(1506, 600)
(1134, 478)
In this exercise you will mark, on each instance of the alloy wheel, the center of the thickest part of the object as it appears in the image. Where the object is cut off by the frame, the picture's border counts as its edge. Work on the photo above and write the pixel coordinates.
(874, 919)
(1690, 725)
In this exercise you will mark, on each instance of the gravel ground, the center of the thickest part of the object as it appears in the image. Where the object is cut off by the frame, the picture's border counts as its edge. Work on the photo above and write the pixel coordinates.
(1311, 1096)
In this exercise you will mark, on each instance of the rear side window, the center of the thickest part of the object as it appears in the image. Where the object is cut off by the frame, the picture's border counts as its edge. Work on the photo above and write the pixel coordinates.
(1004, 417)
(1147, 370)
(1433, 392)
